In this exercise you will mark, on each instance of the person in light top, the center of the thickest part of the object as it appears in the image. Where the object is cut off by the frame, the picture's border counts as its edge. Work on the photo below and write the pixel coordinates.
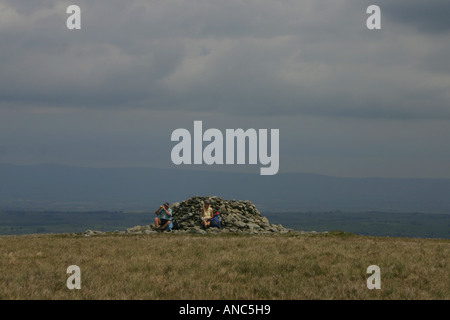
(207, 214)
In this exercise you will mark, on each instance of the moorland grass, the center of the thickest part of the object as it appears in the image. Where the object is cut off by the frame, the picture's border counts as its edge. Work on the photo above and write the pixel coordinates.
(228, 266)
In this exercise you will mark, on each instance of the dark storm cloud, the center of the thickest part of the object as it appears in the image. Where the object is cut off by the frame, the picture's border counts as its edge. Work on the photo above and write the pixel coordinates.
(26, 7)
(347, 100)
(426, 16)
(232, 57)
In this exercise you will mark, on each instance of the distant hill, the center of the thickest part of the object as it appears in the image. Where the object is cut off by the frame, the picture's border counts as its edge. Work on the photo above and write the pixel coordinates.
(75, 188)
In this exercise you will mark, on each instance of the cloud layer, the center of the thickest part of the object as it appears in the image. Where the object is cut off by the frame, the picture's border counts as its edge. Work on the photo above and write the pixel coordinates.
(289, 61)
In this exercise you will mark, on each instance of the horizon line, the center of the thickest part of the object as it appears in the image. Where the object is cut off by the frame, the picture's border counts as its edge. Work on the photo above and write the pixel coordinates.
(219, 171)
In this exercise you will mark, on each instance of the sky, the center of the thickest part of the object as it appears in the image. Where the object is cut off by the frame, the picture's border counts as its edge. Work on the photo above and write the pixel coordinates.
(348, 101)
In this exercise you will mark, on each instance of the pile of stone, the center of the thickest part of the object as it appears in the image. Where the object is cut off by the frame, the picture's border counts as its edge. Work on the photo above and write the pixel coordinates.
(237, 216)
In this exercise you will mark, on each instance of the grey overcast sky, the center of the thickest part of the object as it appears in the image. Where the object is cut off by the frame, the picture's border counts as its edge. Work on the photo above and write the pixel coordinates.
(348, 101)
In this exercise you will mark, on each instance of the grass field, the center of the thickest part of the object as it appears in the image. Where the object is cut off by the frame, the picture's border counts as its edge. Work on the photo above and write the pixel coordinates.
(227, 266)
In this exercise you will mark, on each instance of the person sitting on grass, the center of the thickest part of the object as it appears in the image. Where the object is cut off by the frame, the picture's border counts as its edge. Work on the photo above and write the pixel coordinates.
(163, 220)
(207, 214)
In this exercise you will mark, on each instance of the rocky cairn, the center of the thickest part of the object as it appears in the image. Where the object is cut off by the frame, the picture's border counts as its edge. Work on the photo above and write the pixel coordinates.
(237, 216)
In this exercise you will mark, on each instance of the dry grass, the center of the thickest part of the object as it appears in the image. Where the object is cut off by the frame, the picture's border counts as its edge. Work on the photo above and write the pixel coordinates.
(168, 266)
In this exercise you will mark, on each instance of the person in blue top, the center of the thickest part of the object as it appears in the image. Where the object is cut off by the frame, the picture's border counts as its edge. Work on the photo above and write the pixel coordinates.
(163, 220)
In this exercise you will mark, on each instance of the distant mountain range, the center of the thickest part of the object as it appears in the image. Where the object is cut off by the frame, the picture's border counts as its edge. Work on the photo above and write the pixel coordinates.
(56, 187)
